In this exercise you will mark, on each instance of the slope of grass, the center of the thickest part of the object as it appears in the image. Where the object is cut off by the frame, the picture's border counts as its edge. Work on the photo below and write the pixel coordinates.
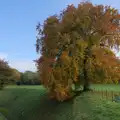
(32, 103)
(1, 118)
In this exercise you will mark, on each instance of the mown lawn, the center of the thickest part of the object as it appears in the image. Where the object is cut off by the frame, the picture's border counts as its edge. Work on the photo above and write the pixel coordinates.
(109, 87)
(32, 103)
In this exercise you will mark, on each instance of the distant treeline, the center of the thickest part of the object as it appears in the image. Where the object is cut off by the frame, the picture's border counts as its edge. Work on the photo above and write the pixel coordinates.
(11, 76)
(28, 78)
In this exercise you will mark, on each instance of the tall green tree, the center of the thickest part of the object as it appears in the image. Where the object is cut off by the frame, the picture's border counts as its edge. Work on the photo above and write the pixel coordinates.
(75, 44)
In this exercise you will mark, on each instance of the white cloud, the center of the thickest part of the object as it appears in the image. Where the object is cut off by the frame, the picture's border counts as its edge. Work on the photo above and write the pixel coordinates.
(3, 55)
(23, 65)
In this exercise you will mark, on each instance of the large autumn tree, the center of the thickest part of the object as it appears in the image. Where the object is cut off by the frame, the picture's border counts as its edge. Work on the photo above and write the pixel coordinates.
(76, 48)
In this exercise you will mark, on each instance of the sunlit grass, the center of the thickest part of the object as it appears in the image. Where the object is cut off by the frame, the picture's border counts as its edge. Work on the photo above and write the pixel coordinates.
(109, 87)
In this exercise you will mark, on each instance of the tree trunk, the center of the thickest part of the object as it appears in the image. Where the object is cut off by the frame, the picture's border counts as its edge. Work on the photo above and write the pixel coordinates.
(86, 79)
(1, 84)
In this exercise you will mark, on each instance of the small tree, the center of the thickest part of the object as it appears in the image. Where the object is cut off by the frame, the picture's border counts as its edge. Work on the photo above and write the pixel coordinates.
(15, 76)
(5, 73)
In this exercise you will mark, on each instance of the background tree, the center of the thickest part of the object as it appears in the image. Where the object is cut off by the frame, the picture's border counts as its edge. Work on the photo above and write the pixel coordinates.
(70, 45)
(15, 76)
(5, 73)
(29, 78)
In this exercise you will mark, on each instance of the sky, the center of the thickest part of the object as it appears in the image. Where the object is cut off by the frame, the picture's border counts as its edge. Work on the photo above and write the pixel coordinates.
(18, 20)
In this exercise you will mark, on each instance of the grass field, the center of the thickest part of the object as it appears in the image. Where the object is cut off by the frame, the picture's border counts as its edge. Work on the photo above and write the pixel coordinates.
(109, 87)
(32, 103)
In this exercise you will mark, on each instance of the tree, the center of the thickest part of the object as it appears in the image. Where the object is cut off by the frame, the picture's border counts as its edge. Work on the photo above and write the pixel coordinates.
(29, 78)
(75, 44)
(15, 77)
(5, 73)
(8, 75)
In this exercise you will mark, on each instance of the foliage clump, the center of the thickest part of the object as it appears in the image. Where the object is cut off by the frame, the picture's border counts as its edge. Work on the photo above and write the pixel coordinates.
(7, 75)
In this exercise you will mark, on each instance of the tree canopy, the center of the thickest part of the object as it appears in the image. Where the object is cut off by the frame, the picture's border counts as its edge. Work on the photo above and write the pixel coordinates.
(5, 72)
(8, 75)
(76, 48)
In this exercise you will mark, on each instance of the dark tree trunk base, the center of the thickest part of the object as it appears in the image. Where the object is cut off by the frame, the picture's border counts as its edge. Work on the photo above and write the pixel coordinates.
(87, 88)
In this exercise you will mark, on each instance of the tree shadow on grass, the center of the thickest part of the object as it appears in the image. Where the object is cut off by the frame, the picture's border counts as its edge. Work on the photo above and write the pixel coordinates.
(53, 110)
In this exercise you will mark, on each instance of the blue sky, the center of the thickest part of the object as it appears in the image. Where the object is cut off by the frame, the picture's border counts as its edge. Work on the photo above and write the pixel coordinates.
(18, 19)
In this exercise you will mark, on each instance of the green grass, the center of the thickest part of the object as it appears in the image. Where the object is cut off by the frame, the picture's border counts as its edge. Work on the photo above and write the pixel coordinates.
(32, 103)
(109, 87)
(1, 118)
(89, 106)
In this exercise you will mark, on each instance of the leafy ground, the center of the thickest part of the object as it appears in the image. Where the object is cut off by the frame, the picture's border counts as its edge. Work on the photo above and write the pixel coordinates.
(32, 103)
